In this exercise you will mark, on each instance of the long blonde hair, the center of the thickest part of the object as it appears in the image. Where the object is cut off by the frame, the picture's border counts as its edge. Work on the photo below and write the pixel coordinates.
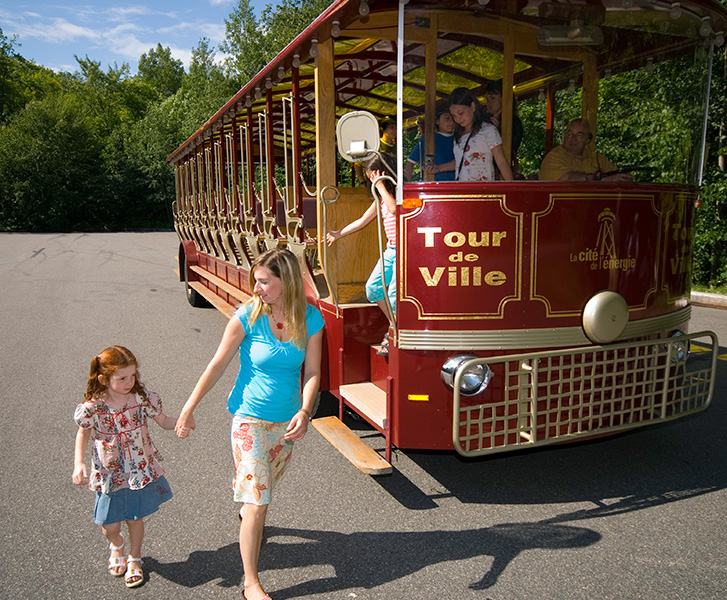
(283, 264)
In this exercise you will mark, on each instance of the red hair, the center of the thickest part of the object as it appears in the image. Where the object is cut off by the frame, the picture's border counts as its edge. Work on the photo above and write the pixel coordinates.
(106, 364)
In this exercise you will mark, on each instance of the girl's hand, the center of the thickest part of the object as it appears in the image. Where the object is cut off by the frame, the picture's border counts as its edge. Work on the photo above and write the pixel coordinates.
(185, 425)
(332, 236)
(80, 474)
(373, 174)
(298, 427)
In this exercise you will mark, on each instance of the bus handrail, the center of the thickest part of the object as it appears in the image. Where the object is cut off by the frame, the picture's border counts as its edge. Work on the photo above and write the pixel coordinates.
(377, 197)
(324, 241)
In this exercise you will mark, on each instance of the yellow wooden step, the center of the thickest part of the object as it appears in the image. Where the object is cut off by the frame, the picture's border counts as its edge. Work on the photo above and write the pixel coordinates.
(212, 298)
(367, 399)
(350, 445)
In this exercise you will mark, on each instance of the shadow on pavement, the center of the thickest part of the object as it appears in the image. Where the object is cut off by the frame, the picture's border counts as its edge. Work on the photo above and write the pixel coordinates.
(202, 566)
(368, 560)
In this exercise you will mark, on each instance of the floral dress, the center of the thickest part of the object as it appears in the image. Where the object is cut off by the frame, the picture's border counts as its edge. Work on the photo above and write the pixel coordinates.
(476, 160)
(123, 454)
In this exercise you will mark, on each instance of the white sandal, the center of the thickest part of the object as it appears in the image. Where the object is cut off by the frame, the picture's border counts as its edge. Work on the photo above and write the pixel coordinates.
(116, 561)
(132, 572)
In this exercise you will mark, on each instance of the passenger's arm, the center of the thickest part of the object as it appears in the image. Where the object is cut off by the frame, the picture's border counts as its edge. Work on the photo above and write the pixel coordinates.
(583, 176)
(575, 176)
(165, 421)
(231, 340)
(441, 168)
(353, 226)
(386, 196)
(619, 178)
(79, 464)
(408, 170)
(298, 425)
(502, 163)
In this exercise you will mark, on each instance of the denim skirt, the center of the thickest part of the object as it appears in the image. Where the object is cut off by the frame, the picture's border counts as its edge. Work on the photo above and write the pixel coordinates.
(130, 505)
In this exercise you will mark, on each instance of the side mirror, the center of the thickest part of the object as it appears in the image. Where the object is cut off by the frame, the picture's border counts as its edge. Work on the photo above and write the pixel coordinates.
(358, 136)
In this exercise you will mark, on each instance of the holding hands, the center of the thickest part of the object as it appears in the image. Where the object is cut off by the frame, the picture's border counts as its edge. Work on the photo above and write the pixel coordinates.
(185, 425)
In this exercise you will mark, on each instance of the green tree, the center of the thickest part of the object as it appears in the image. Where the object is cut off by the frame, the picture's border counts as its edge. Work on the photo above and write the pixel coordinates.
(710, 249)
(244, 43)
(51, 170)
(161, 71)
(251, 44)
(114, 97)
(204, 90)
(22, 80)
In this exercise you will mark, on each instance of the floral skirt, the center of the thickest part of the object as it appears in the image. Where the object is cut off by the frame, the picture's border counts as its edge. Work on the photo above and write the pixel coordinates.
(130, 505)
(261, 455)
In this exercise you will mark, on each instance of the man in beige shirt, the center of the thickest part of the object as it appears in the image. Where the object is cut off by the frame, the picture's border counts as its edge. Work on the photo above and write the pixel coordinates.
(573, 160)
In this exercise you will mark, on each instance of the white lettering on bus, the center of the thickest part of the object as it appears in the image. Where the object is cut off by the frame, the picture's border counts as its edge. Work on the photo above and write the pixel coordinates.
(455, 239)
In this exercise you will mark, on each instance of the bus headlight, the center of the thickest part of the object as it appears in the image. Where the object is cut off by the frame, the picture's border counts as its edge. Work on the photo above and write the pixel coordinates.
(474, 379)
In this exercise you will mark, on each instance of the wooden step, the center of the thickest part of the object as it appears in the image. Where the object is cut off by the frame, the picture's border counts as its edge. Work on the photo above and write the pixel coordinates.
(350, 445)
(221, 283)
(212, 298)
(367, 399)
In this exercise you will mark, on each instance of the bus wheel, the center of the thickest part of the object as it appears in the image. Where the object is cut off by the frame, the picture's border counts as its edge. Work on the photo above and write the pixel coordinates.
(193, 297)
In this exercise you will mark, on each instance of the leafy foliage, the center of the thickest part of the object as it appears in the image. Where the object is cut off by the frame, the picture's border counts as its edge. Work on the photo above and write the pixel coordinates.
(251, 44)
(161, 71)
(51, 170)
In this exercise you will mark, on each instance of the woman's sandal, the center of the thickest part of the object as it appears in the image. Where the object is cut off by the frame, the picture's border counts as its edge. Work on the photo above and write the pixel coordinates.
(132, 573)
(117, 562)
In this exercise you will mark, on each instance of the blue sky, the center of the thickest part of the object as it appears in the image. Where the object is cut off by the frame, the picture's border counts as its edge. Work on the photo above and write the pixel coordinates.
(51, 32)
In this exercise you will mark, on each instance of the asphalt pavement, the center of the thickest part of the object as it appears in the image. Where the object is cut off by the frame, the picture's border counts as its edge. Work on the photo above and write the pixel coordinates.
(639, 515)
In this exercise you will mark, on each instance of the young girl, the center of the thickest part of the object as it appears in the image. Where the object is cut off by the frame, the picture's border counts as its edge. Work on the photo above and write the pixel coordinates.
(125, 471)
(476, 141)
(375, 291)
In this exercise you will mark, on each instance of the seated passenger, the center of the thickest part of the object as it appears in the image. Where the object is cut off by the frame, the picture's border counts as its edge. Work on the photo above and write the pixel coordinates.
(476, 141)
(574, 160)
(493, 104)
(443, 147)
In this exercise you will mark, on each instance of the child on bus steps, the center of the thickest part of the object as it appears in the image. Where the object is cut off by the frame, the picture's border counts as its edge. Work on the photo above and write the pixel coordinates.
(375, 291)
(126, 473)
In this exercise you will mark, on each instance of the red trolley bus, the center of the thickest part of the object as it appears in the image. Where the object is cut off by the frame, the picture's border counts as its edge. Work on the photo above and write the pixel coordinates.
(529, 312)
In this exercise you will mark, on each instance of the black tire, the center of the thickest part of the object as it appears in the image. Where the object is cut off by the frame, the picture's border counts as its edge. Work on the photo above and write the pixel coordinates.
(193, 297)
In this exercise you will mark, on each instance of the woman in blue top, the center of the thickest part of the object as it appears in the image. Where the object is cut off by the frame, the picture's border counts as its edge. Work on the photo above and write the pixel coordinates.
(277, 332)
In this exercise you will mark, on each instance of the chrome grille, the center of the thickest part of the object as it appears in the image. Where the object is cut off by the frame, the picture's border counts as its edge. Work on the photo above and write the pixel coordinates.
(548, 397)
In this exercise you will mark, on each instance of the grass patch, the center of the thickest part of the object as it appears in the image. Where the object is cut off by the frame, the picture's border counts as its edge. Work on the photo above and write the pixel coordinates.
(720, 289)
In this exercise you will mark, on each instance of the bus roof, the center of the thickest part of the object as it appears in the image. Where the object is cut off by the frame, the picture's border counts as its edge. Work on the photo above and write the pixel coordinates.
(552, 40)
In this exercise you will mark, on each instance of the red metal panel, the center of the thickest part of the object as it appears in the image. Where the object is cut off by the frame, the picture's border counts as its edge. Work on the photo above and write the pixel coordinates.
(531, 257)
